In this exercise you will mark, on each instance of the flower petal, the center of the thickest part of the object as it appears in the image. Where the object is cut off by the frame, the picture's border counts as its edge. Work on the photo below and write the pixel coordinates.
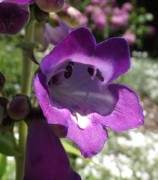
(12, 22)
(90, 140)
(18, 1)
(54, 115)
(128, 113)
(45, 155)
(113, 57)
(78, 43)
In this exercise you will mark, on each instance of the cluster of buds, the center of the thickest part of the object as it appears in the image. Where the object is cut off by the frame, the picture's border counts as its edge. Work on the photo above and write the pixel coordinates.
(15, 110)
(19, 13)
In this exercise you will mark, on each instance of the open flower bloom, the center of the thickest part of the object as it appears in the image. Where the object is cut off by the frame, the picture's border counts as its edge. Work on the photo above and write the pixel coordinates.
(45, 155)
(75, 89)
(14, 14)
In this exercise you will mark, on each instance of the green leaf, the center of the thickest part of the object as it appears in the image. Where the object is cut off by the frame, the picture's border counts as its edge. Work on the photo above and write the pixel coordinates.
(6, 144)
(71, 149)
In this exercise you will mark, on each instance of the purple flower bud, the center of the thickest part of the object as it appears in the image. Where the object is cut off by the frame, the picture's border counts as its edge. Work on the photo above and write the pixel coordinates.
(19, 107)
(2, 81)
(73, 17)
(50, 5)
(45, 155)
(12, 18)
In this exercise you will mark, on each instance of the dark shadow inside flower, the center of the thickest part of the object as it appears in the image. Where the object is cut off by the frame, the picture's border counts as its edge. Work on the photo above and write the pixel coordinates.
(79, 88)
(12, 17)
(59, 130)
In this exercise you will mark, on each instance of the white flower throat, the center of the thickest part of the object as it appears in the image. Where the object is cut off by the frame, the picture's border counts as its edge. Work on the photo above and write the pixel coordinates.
(78, 87)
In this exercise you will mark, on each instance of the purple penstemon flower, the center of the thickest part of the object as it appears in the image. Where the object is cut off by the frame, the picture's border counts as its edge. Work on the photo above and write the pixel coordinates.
(75, 90)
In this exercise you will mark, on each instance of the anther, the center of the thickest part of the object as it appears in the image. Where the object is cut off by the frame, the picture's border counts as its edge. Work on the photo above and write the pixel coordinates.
(90, 71)
(99, 75)
(68, 70)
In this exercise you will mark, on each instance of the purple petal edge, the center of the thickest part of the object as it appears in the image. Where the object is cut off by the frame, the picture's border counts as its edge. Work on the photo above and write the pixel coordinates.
(128, 114)
(52, 114)
(114, 52)
(89, 140)
(79, 42)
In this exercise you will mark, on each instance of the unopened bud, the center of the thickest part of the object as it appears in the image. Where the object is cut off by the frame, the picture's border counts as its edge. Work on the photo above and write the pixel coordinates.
(19, 107)
(2, 81)
(50, 5)
(13, 17)
(72, 17)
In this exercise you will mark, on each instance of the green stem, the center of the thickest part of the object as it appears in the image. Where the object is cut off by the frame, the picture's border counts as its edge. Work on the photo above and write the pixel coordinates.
(25, 89)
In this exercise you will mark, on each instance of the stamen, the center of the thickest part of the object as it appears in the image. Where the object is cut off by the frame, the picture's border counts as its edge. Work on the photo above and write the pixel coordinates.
(90, 71)
(69, 70)
(99, 75)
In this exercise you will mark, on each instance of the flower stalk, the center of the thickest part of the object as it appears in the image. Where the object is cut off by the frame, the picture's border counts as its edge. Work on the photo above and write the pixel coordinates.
(25, 89)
